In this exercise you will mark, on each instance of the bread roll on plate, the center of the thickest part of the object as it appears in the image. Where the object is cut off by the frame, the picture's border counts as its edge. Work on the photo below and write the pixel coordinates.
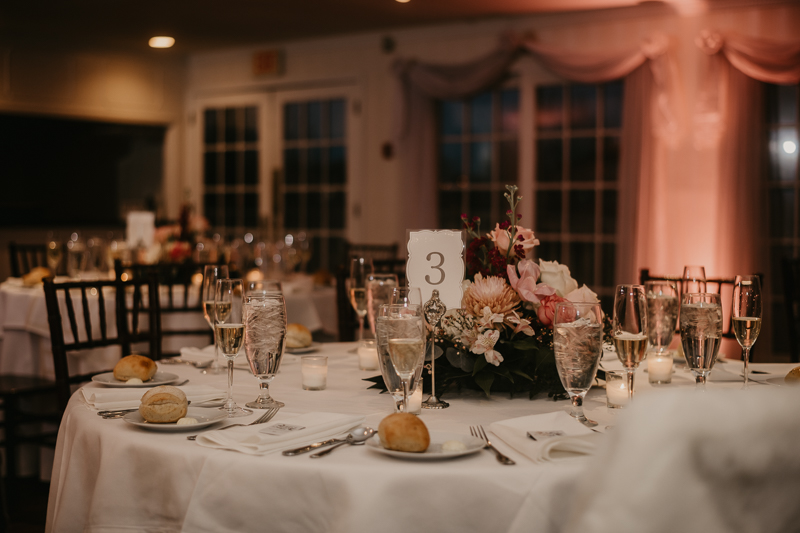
(35, 276)
(135, 366)
(297, 336)
(163, 405)
(404, 432)
(793, 377)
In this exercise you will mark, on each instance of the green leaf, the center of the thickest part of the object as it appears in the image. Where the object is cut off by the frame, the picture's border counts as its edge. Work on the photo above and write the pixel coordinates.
(479, 364)
(523, 374)
(484, 381)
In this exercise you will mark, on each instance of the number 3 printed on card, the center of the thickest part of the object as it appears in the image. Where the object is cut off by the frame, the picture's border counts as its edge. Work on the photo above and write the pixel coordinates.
(435, 261)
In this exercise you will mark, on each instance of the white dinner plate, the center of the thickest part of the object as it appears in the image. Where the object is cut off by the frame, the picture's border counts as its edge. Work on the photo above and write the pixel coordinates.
(160, 378)
(782, 382)
(306, 349)
(205, 417)
(434, 451)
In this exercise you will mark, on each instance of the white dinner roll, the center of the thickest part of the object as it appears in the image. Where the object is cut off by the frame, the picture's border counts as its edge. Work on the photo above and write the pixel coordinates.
(793, 376)
(163, 405)
(35, 276)
(297, 336)
(404, 432)
(135, 366)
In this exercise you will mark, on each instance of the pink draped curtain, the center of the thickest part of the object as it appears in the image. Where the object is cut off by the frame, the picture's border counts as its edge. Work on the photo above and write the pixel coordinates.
(646, 114)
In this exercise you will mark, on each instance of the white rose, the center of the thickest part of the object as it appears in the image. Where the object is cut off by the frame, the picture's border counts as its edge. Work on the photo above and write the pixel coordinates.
(557, 276)
(584, 294)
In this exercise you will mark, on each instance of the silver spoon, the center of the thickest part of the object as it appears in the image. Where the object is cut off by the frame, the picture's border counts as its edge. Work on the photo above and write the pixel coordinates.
(357, 436)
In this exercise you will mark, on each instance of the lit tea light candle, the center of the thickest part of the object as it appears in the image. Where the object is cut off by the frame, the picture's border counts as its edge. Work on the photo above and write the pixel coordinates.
(659, 367)
(368, 356)
(315, 372)
(415, 401)
(616, 390)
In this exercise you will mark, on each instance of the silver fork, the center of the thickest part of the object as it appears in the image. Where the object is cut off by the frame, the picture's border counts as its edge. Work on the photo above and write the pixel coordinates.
(477, 431)
(266, 417)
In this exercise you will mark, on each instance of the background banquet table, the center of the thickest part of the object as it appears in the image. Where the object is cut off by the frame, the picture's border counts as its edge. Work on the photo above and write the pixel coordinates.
(111, 476)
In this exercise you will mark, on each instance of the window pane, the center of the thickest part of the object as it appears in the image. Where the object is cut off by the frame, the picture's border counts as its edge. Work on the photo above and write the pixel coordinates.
(314, 210)
(612, 105)
(211, 125)
(291, 210)
(548, 211)
(251, 167)
(210, 168)
(337, 206)
(251, 210)
(610, 158)
(581, 262)
(291, 122)
(250, 124)
(509, 110)
(231, 209)
(507, 152)
(230, 125)
(450, 163)
(777, 254)
(452, 117)
(549, 160)
(337, 171)
(314, 162)
(607, 264)
(549, 107)
(781, 212)
(582, 159)
(480, 162)
(549, 250)
(609, 212)
(481, 113)
(782, 103)
(231, 167)
(314, 111)
(291, 165)
(581, 212)
(210, 208)
(480, 204)
(783, 151)
(337, 120)
(583, 106)
(450, 210)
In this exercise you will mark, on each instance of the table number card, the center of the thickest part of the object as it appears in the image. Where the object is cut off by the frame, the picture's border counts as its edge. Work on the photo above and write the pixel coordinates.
(435, 261)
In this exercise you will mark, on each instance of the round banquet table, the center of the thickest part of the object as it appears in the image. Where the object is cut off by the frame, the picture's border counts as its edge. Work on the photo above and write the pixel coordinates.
(109, 475)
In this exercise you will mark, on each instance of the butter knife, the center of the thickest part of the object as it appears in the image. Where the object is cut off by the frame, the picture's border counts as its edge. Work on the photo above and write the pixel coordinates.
(305, 449)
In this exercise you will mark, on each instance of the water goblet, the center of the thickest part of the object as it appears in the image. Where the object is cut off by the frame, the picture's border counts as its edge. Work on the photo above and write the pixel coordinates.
(701, 333)
(406, 296)
(397, 321)
(629, 328)
(211, 274)
(746, 316)
(578, 346)
(662, 313)
(265, 332)
(694, 279)
(360, 269)
(263, 287)
(379, 292)
(229, 326)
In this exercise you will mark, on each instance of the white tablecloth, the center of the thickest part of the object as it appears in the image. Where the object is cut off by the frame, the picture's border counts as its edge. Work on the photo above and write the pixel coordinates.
(111, 476)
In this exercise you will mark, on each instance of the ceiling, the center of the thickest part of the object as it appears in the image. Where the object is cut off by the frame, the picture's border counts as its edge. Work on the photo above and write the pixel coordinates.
(200, 25)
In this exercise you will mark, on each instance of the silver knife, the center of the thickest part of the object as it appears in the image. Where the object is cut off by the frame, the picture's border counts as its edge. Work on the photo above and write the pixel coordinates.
(304, 449)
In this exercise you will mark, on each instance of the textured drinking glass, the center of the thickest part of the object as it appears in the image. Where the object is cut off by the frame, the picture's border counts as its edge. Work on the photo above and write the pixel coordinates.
(701, 333)
(212, 274)
(578, 345)
(630, 328)
(379, 292)
(694, 279)
(263, 287)
(662, 313)
(265, 334)
(393, 321)
(229, 325)
(746, 316)
(360, 270)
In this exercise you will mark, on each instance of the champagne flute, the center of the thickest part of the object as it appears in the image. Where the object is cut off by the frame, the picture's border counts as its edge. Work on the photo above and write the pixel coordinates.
(229, 310)
(694, 279)
(379, 292)
(578, 346)
(630, 328)
(212, 274)
(55, 253)
(406, 350)
(265, 334)
(701, 333)
(360, 270)
(662, 313)
(746, 315)
(392, 321)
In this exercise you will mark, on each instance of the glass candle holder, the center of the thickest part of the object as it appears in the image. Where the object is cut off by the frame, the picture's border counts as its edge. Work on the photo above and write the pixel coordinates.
(616, 390)
(368, 355)
(659, 367)
(315, 372)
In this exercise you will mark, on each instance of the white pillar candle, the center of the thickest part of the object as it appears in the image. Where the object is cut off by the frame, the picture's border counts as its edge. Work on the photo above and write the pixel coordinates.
(367, 358)
(415, 400)
(659, 367)
(617, 393)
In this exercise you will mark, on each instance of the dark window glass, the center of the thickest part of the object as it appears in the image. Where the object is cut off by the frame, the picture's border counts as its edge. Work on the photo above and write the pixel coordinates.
(210, 208)
(291, 165)
(450, 163)
(548, 211)
(480, 116)
(251, 210)
(337, 119)
(231, 167)
(549, 107)
(784, 148)
(210, 168)
(250, 124)
(291, 122)
(781, 212)
(782, 103)
(338, 208)
(480, 206)
(231, 209)
(452, 117)
(509, 113)
(583, 106)
(337, 171)
(780, 340)
(251, 167)
(507, 151)
(549, 160)
(480, 162)
(314, 156)
(609, 212)
(291, 210)
(314, 110)
(610, 158)
(549, 250)
(211, 126)
(581, 262)
(581, 212)
(777, 254)
(607, 264)
(230, 125)
(450, 209)
(612, 105)
(314, 211)
(582, 159)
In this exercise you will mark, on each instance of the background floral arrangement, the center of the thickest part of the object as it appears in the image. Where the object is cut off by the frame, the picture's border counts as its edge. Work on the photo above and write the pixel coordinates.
(502, 337)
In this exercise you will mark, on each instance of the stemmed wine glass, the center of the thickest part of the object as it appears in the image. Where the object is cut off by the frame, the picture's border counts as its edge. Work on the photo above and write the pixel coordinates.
(746, 315)
(360, 269)
(212, 274)
(662, 313)
(701, 332)
(379, 292)
(55, 254)
(396, 321)
(406, 296)
(406, 350)
(578, 346)
(630, 328)
(265, 333)
(229, 308)
(694, 279)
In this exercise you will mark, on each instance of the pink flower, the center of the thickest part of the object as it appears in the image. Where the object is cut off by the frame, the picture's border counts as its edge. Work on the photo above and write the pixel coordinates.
(484, 344)
(547, 310)
(519, 324)
(489, 319)
(526, 284)
(524, 237)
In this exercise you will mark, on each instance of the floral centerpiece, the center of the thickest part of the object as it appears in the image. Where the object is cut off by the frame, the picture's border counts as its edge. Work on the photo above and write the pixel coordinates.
(178, 241)
(502, 337)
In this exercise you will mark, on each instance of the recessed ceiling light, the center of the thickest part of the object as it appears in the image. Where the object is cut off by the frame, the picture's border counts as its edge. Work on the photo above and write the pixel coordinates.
(161, 42)
(403, 1)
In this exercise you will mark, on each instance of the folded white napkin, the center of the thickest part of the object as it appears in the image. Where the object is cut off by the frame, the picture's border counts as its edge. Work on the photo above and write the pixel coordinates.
(104, 398)
(202, 355)
(289, 432)
(573, 439)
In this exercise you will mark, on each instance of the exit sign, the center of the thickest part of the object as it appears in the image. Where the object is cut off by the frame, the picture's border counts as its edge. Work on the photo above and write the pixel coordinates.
(267, 63)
